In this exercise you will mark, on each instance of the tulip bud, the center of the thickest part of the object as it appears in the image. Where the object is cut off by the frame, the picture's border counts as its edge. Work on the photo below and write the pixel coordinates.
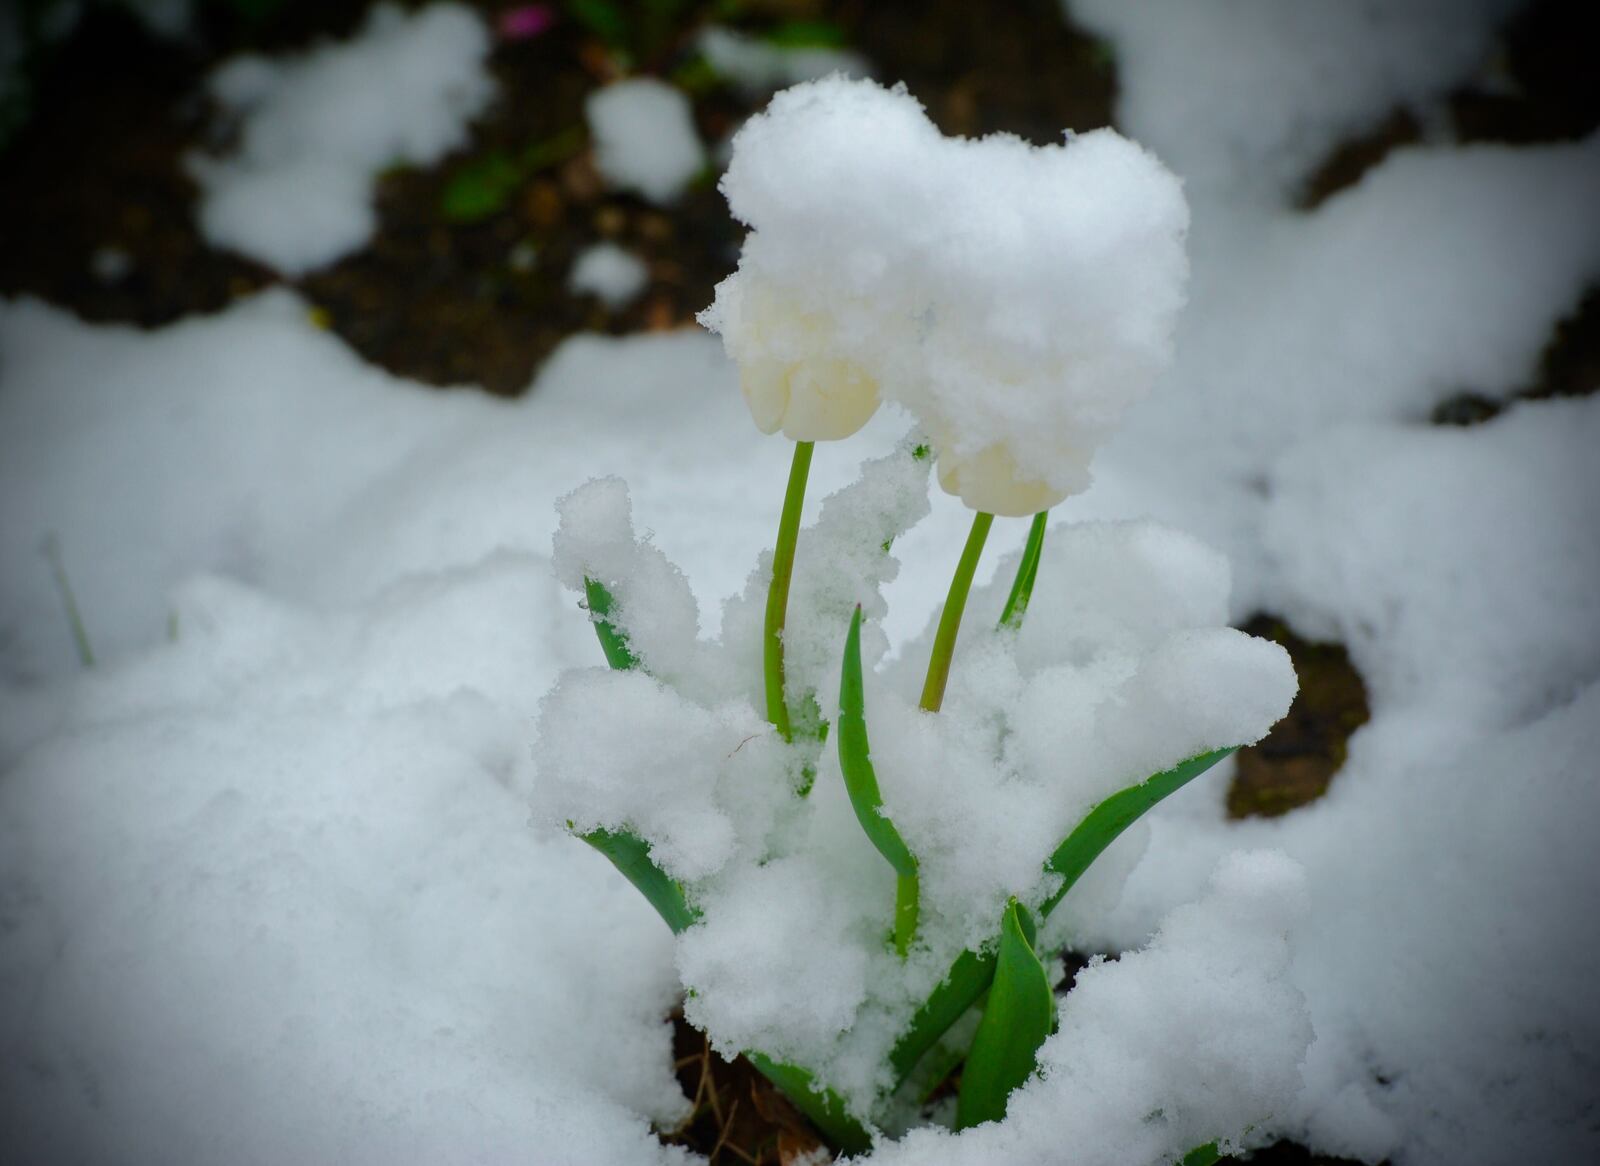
(989, 481)
(792, 376)
(819, 399)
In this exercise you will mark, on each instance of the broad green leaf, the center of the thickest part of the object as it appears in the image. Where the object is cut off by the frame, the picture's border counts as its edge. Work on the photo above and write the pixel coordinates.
(1206, 1155)
(1103, 824)
(612, 642)
(1020, 1013)
(481, 189)
(855, 759)
(1027, 571)
(630, 854)
(972, 971)
(823, 1107)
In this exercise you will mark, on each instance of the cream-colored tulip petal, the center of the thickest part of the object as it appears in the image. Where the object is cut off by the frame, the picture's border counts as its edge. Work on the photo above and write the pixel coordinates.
(988, 481)
(766, 391)
(828, 400)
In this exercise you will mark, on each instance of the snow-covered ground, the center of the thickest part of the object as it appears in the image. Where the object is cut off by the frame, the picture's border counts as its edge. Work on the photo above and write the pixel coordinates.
(269, 890)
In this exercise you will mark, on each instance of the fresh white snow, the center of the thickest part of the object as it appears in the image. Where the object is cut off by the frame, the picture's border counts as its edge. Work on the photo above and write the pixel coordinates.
(644, 137)
(269, 890)
(612, 274)
(315, 130)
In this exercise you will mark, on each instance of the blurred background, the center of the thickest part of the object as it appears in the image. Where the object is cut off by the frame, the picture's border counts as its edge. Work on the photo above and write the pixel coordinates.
(466, 280)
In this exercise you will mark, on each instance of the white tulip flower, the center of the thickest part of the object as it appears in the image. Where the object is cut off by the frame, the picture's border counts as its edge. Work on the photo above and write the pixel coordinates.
(792, 376)
(990, 481)
(1015, 299)
(818, 399)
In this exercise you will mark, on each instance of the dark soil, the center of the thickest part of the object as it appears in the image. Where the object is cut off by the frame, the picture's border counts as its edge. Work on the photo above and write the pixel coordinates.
(737, 1115)
(449, 300)
(1295, 762)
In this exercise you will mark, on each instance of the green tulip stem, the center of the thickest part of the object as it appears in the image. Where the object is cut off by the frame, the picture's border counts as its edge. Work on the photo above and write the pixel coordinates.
(906, 894)
(944, 641)
(778, 593)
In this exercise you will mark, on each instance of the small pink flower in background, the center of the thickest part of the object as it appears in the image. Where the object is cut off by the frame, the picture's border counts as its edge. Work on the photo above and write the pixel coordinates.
(525, 21)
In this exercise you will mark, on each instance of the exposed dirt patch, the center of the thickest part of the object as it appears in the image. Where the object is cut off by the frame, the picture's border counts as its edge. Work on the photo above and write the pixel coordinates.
(737, 1115)
(99, 213)
(1295, 762)
(1541, 86)
(99, 169)
(1289, 1154)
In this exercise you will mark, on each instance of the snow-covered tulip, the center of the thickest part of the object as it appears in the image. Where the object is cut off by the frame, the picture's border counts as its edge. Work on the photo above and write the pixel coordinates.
(1015, 300)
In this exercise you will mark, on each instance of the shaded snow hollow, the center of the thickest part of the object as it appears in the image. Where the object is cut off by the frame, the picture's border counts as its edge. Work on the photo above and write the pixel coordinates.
(267, 887)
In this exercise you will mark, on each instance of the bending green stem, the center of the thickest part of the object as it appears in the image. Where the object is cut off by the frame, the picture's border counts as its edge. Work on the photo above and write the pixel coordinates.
(906, 893)
(944, 641)
(778, 592)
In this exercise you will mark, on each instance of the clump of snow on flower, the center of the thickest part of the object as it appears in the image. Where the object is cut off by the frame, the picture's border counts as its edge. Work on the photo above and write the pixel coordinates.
(644, 137)
(1015, 298)
(315, 129)
(612, 274)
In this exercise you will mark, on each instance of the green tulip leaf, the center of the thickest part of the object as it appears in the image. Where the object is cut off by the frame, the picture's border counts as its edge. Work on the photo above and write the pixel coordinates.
(1027, 571)
(861, 781)
(1020, 1013)
(960, 989)
(1103, 824)
(855, 759)
(630, 854)
(613, 643)
(972, 971)
(824, 1108)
